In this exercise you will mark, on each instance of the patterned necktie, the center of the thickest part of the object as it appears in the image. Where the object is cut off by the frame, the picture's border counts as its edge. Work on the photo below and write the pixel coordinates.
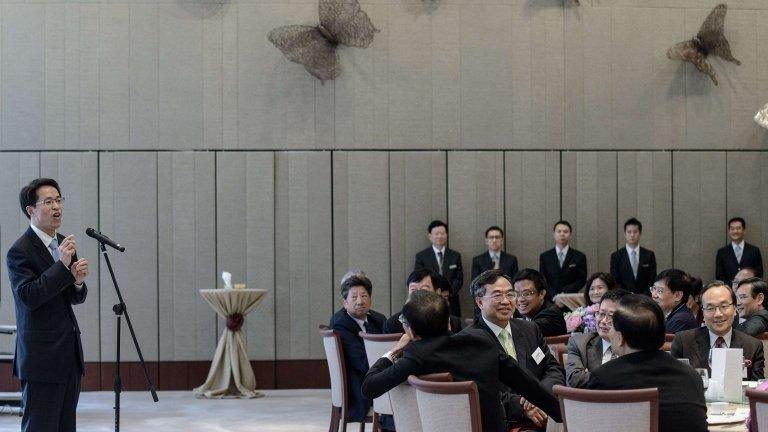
(737, 250)
(720, 342)
(54, 247)
(633, 261)
(440, 261)
(506, 342)
(561, 258)
(609, 355)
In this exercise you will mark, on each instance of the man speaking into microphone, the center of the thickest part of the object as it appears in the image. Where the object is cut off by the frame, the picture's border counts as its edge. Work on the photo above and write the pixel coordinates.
(47, 278)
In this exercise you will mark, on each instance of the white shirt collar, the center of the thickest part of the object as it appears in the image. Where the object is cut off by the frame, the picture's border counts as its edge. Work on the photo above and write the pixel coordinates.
(741, 245)
(44, 237)
(492, 253)
(360, 322)
(496, 329)
(436, 250)
(564, 250)
(727, 337)
(630, 249)
(606, 345)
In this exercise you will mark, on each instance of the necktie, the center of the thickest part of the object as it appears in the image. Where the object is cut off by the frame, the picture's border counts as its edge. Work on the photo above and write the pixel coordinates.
(54, 247)
(737, 249)
(440, 261)
(561, 258)
(719, 342)
(609, 355)
(506, 342)
(366, 329)
(633, 261)
(495, 258)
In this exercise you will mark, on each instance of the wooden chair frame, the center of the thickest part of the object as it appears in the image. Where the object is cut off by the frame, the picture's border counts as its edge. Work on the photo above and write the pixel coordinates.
(650, 395)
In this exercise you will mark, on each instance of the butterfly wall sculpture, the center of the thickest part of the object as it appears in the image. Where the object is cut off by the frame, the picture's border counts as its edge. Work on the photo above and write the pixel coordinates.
(710, 40)
(762, 117)
(341, 22)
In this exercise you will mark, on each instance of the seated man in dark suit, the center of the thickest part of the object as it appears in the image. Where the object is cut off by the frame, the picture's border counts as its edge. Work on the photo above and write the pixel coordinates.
(638, 334)
(533, 304)
(751, 304)
(564, 268)
(494, 257)
(354, 317)
(744, 273)
(522, 340)
(670, 292)
(471, 355)
(423, 280)
(737, 255)
(443, 261)
(588, 351)
(632, 266)
(719, 305)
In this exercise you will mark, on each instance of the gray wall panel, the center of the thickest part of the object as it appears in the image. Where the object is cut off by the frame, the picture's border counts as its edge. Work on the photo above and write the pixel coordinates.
(361, 221)
(114, 76)
(746, 182)
(532, 201)
(187, 261)
(180, 82)
(645, 192)
(55, 119)
(88, 96)
(16, 171)
(245, 234)
(78, 177)
(475, 202)
(304, 286)
(22, 69)
(417, 189)
(128, 213)
(699, 211)
(589, 183)
(144, 90)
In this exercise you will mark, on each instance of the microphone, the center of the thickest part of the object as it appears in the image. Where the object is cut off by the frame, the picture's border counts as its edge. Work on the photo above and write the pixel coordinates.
(101, 238)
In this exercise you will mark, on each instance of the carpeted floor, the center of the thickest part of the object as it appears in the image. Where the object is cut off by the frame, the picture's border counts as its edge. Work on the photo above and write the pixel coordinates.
(277, 411)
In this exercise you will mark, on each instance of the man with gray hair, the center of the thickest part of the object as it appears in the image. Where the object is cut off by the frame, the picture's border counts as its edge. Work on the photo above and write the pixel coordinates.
(751, 304)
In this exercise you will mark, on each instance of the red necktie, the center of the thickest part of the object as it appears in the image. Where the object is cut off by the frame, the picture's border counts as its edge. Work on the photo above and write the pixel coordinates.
(719, 342)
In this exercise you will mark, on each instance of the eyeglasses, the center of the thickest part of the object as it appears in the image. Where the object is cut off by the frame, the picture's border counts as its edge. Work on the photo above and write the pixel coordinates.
(494, 237)
(722, 308)
(402, 320)
(498, 297)
(600, 315)
(656, 289)
(48, 202)
(526, 294)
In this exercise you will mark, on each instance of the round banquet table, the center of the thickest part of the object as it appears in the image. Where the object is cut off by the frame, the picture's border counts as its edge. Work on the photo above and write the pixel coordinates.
(231, 374)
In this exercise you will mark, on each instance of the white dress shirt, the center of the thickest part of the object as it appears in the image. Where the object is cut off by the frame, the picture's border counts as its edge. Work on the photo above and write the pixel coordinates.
(46, 239)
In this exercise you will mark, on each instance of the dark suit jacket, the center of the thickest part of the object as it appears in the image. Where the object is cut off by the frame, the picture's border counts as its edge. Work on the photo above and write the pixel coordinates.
(393, 324)
(469, 356)
(621, 270)
(483, 262)
(48, 342)
(726, 265)
(681, 392)
(526, 337)
(570, 279)
(355, 358)
(585, 354)
(755, 324)
(681, 318)
(451, 266)
(694, 345)
(549, 318)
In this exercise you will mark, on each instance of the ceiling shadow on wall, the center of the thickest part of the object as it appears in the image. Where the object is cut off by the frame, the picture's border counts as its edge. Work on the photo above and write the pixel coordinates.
(202, 9)
(421, 7)
(532, 7)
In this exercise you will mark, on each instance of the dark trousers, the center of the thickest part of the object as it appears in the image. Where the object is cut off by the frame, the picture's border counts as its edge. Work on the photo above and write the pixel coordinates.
(51, 407)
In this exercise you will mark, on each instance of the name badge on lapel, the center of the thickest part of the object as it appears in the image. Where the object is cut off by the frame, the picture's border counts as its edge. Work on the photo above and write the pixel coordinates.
(452, 266)
(538, 355)
(571, 265)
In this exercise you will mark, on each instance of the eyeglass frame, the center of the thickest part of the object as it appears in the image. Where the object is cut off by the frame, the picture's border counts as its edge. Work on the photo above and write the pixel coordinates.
(48, 202)
(402, 320)
(599, 316)
(496, 298)
(657, 289)
(715, 309)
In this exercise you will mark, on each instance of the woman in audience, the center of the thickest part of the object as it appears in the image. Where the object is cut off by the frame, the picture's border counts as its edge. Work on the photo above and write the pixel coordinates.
(583, 318)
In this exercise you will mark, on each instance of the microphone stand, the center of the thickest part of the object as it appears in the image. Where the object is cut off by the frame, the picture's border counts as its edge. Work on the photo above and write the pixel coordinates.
(120, 309)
